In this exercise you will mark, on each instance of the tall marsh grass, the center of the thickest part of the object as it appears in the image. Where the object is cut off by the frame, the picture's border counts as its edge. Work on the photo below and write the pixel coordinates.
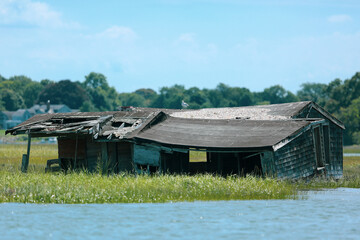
(81, 187)
(39, 153)
(96, 188)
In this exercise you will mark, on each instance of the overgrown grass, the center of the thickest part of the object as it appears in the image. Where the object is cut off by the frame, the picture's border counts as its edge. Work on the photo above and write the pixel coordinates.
(39, 153)
(95, 188)
(352, 149)
(39, 187)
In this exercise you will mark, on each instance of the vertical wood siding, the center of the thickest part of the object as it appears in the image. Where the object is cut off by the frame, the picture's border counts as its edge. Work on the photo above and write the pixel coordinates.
(297, 158)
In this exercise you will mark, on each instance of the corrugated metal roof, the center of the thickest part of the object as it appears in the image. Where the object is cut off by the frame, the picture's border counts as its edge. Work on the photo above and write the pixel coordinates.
(221, 133)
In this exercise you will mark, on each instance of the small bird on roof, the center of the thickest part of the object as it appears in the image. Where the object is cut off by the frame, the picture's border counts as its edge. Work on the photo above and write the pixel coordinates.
(184, 104)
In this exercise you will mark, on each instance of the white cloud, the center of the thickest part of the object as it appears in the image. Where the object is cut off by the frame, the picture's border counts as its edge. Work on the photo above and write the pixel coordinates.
(186, 38)
(339, 18)
(118, 32)
(27, 12)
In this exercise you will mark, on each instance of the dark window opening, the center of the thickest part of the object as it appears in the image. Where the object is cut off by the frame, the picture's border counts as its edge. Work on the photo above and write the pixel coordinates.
(224, 163)
(318, 147)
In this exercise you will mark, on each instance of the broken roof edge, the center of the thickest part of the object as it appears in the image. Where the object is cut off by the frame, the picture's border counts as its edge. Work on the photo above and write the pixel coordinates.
(297, 133)
(326, 114)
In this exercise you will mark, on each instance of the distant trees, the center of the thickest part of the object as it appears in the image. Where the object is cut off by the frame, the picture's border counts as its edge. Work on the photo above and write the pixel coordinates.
(64, 92)
(341, 98)
(102, 96)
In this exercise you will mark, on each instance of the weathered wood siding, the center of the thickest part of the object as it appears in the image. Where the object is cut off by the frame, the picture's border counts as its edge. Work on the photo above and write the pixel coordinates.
(268, 164)
(93, 154)
(146, 155)
(66, 148)
(124, 155)
(334, 166)
(175, 162)
(297, 158)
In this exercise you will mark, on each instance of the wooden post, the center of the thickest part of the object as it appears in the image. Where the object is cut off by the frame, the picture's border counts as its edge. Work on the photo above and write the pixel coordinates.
(26, 158)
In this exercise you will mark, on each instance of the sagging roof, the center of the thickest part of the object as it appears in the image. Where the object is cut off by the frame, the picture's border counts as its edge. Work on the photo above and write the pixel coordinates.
(242, 127)
(210, 133)
(99, 124)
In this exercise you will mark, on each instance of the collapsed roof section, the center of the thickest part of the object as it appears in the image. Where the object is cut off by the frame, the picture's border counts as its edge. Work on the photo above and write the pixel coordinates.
(108, 125)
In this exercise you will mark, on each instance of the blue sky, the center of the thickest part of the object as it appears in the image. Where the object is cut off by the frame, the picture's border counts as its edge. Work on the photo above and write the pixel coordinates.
(156, 43)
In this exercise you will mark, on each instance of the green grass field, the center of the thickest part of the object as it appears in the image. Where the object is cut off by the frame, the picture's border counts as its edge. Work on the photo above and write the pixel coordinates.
(39, 187)
(352, 149)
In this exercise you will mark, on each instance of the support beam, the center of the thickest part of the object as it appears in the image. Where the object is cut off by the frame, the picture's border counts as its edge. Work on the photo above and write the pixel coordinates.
(26, 158)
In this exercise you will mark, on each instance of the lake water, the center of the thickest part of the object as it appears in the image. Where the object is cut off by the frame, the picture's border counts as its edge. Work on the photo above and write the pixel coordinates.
(330, 214)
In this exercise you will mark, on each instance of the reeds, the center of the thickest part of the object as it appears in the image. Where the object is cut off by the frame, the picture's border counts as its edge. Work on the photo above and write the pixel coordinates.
(81, 187)
(126, 188)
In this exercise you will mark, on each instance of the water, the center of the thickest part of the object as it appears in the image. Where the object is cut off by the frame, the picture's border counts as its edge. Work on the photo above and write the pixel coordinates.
(351, 154)
(330, 214)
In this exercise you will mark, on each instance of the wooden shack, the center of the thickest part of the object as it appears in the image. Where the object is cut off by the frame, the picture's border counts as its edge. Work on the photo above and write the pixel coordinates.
(292, 140)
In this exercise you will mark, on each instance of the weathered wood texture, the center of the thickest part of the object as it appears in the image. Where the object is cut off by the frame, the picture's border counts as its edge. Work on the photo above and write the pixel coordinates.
(297, 158)
(124, 155)
(175, 162)
(93, 154)
(336, 152)
(268, 164)
(66, 147)
(334, 168)
(146, 155)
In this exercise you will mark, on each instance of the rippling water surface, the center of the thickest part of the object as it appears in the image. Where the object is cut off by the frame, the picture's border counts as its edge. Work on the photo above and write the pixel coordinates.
(330, 214)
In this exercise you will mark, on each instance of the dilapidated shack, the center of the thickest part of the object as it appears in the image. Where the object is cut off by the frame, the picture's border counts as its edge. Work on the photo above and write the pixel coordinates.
(292, 140)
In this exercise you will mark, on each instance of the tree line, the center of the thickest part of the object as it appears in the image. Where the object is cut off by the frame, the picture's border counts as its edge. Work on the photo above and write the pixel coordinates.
(340, 97)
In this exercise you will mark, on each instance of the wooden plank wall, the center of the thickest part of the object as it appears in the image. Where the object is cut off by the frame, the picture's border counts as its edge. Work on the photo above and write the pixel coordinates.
(124, 156)
(335, 163)
(297, 158)
(175, 162)
(93, 154)
(66, 148)
(335, 168)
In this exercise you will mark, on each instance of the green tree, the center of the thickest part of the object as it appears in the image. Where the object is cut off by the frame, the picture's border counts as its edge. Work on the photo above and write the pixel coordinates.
(64, 92)
(31, 93)
(351, 118)
(11, 100)
(315, 92)
(96, 80)
(170, 97)
(277, 94)
(87, 106)
(132, 99)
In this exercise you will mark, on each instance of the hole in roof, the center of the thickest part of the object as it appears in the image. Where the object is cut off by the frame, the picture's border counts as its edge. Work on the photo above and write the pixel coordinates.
(118, 124)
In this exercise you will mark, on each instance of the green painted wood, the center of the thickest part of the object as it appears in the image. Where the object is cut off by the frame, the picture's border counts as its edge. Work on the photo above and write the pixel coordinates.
(146, 156)
(24, 164)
